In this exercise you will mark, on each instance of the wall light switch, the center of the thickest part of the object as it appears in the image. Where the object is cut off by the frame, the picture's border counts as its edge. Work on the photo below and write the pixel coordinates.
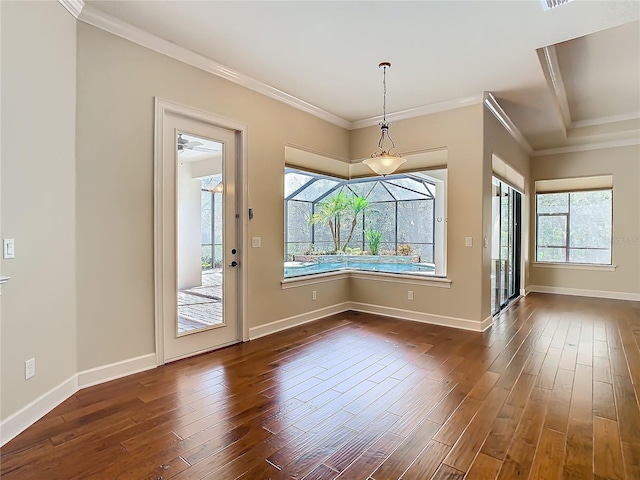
(468, 242)
(486, 242)
(8, 250)
(256, 242)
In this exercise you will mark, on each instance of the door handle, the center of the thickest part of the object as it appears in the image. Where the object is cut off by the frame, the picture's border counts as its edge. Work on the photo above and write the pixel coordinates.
(233, 264)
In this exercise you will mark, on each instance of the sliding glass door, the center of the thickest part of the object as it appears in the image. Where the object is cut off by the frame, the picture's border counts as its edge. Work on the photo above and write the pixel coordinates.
(505, 244)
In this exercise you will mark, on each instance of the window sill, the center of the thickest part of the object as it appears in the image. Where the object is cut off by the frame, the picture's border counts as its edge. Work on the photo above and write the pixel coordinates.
(303, 280)
(410, 279)
(576, 266)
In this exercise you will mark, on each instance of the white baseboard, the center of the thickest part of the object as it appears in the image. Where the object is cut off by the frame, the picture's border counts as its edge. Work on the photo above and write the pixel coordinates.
(106, 373)
(441, 320)
(580, 292)
(285, 323)
(16, 423)
(487, 323)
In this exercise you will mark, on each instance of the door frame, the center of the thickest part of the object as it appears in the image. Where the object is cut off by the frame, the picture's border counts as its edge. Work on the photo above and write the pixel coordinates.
(162, 109)
(518, 241)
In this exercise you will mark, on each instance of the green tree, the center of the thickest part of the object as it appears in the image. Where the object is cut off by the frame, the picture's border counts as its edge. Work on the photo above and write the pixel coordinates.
(331, 213)
(334, 210)
(356, 206)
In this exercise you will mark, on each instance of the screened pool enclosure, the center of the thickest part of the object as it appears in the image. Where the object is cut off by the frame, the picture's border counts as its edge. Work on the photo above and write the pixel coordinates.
(375, 223)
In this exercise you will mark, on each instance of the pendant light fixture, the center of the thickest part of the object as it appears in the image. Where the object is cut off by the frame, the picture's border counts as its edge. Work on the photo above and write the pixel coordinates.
(384, 162)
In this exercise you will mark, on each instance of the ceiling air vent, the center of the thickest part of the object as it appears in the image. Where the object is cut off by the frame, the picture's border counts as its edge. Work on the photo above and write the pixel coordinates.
(549, 4)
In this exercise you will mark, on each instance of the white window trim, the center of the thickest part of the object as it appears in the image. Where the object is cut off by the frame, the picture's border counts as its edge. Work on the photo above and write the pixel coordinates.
(406, 279)
(575, 266)
(567, 264)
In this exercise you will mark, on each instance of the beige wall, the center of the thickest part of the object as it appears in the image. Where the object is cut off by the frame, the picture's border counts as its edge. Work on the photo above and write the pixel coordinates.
(117, 82)
(497, 141)
(38, 198)
(460, 131)
(624, 164)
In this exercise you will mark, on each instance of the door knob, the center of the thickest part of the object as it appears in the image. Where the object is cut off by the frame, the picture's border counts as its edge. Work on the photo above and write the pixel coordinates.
(233, 264)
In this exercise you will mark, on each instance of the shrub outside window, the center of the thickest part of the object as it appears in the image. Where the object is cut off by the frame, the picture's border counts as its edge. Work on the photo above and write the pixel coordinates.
(574, 227)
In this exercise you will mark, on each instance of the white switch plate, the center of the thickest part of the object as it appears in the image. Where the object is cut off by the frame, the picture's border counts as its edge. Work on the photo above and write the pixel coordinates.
(409, 294)
(256, 242)
(8, 248)
(314, 296)
(468, 241)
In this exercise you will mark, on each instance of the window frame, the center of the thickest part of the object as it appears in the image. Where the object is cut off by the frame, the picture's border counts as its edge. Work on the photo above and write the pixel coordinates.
(430, 192)
(567, 247)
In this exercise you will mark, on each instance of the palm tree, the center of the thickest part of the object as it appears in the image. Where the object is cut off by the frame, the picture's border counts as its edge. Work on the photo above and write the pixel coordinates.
(331, 212)
(356, 206)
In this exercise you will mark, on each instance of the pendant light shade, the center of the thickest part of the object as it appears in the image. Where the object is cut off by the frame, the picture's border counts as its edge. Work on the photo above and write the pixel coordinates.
(384, 162)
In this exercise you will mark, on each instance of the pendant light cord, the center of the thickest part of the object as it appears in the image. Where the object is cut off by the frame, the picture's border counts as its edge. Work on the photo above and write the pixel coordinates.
(384, 98)
(384, 126)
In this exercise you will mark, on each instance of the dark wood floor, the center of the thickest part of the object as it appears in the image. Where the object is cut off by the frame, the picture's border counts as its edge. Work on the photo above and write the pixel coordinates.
(551, 391)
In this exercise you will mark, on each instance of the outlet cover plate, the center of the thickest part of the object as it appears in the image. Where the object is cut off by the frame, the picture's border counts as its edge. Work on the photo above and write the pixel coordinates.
(29, 368)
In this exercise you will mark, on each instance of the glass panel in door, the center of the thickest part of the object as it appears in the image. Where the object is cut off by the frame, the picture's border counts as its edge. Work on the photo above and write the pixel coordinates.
(506, 243)
(505, 246)
(495, 245)
(200, 233)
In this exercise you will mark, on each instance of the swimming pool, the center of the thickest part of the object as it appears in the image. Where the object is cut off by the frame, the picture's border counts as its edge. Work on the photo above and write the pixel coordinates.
(311, 268)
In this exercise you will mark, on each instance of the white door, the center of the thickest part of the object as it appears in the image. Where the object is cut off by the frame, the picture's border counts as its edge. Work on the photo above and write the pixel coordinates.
(200, 252)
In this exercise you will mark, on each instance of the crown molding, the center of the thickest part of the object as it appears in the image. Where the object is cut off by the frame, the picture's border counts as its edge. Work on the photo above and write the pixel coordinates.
(419, 111)
(74, 7)
(493, 106)
(586, 147)
(551, 69)
(136, 35)
(592, 122)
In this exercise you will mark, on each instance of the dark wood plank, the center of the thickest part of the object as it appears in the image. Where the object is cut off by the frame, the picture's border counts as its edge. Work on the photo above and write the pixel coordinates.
(578, 455)
(631, 454)
(549, 454)
(560, 402)
(607, 458)
(445, 472)
(467, 447)
(406, 452)
(484, 467)
(427, 462)
(518, 461)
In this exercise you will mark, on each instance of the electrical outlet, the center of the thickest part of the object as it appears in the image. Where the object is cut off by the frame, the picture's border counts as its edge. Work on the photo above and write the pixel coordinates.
(29, 368)
(409, 294)
(313, 295)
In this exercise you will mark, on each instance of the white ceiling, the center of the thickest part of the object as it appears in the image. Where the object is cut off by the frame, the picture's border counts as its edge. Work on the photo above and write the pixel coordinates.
(327, 53)
(590, 65)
